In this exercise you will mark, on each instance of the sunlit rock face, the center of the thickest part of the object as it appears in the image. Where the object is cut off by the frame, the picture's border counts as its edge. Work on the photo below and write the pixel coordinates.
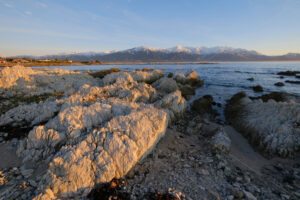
(98, 130)
(273, 127)
(19, 80)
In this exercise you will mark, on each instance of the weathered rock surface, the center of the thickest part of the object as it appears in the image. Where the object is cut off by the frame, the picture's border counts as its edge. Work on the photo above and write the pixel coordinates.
(166, 85)
(273, 126)
(190, 77)
(97, 131)
(19, 80)
(221, 142)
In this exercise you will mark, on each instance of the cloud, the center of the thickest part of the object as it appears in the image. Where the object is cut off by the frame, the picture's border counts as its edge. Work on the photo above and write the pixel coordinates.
(41, 4)
(28, 12)
(8, 5)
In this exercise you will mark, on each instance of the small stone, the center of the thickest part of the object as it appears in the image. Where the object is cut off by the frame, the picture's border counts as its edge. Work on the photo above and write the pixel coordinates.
(230, 197)
(27, 172)
(237, 193)
(249, 196)
(32, 182)
(285, 196)
(203, 172)
(297, 194)
(221, 142)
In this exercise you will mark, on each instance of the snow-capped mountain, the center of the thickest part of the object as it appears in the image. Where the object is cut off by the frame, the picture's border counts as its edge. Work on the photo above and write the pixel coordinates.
(174, 54)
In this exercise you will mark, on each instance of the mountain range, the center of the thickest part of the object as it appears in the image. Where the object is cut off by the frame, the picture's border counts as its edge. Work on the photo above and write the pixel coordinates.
(175, 54)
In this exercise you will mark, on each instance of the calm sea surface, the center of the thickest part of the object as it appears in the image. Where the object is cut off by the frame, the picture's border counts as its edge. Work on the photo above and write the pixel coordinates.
(222, 80)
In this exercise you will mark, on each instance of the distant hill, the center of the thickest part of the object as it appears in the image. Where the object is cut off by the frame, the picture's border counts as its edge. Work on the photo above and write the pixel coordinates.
(176, 54)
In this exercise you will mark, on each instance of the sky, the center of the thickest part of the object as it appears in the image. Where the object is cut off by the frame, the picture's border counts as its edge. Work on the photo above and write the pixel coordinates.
(40, 27)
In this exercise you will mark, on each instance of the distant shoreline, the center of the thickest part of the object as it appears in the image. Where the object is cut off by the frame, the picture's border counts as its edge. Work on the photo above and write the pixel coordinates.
(81, 63)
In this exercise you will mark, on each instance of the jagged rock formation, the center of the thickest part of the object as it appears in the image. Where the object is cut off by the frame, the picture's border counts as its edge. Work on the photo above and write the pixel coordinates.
(18, 80)
(273, 127)
(97, 131)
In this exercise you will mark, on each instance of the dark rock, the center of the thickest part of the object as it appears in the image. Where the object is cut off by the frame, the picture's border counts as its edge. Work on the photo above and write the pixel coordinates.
(147, 70)
(292, 82)
(198, 83)
(288, 73)
(204, 105)
(250, 79)
(258, 88)
(102, 73)
(116, 189)
(187, 91)
(279, 84)
(160, 196)
(277, 96)
(170, 75)
(232, 108)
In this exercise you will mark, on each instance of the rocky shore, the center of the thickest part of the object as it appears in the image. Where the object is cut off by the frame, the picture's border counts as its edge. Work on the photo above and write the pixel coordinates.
(131, 135)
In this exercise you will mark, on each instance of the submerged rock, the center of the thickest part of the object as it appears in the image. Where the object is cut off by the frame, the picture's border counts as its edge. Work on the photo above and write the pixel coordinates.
(279, 84)
(292, 82)
(258, 88)
(271, 126)
(288, 73)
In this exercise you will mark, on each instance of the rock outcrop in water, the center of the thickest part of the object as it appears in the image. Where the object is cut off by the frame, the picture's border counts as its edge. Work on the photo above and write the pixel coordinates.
(273, 127)
(97, 131)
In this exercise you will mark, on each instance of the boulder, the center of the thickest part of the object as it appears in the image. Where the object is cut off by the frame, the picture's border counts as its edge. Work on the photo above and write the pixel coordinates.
(107, 153)
(203, 105)
(166, 85)
(279, 84)
(190, 77)
(258, 88)
(221, 142)
(271, 126)
(187, 91)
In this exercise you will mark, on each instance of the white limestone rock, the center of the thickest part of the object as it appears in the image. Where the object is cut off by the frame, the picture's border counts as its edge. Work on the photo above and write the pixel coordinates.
(174, 104)
(166, 85)
(180, 78)
(189, 77)
(19, 80)
(273, 126)
(106, 153)
(32, 114)
(148, 77)
(101, 131)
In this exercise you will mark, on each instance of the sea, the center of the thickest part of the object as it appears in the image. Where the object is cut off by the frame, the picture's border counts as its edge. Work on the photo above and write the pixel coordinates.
(223, 80)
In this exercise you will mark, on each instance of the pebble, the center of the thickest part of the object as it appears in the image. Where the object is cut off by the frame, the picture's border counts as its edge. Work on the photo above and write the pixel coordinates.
(27, 172)
(32, 182)
(249, 196)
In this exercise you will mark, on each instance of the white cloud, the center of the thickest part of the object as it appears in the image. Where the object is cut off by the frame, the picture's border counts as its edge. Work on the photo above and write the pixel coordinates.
(28, 12)
(8, 5)
(43, 5)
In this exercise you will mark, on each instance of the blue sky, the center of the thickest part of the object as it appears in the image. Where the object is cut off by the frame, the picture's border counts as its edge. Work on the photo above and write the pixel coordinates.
(41, 27)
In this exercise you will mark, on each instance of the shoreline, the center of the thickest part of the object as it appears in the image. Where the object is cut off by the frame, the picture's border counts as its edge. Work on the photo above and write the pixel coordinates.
(83, 130)
(80, 63)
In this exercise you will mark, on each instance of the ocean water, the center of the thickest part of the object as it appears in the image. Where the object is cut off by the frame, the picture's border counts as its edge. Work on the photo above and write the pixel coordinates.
(223, 80)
